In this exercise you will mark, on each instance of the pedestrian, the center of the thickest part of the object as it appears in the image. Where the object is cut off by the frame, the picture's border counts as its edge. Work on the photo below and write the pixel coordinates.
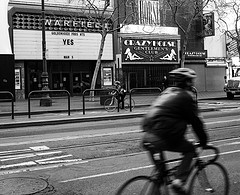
(166, 123)
(165, 82)
(121, 94)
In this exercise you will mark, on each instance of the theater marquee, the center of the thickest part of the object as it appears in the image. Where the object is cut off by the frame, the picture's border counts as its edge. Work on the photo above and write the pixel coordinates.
(150, 51)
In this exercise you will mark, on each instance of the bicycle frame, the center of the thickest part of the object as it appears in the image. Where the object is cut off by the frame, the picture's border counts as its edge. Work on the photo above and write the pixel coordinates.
(165, 175)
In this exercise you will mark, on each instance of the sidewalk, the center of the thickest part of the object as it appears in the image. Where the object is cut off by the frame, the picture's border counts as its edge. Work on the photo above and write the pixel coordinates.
(58, 112)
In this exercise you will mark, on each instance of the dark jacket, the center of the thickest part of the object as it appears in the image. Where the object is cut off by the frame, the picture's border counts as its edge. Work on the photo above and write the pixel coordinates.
(170, 114)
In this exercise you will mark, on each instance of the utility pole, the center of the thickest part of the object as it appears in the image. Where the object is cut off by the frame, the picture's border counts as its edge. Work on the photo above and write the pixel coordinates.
(45, 100)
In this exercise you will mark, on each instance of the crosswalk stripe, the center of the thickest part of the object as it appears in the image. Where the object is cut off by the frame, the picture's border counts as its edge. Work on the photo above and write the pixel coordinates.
(57, 157)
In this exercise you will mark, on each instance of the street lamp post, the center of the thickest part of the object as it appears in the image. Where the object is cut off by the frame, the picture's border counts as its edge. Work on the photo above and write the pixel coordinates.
(45, 100)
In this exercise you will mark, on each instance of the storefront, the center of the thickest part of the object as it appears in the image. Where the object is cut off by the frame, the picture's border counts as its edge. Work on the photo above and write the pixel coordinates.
(72, 46)
(147, 58)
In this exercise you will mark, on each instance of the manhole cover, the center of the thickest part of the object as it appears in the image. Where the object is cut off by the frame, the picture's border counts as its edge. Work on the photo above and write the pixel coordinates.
(22, 185)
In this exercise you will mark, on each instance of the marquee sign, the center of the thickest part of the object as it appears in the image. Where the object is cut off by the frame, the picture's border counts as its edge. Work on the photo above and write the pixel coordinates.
(150, 51)
(60, 45)
(31, 21)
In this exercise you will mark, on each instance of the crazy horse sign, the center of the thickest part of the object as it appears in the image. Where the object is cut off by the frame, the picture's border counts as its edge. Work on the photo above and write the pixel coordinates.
(150, 50)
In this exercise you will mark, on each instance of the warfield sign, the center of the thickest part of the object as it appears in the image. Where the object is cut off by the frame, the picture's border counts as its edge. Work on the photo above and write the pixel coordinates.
(150, 51)
(28, 21)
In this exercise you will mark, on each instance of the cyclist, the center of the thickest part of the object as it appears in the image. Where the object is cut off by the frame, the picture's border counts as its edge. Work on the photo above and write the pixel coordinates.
(166, 122)
(121, 93)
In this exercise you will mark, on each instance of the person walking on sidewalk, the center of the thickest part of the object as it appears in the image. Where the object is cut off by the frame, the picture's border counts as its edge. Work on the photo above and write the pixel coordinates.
(166, 123)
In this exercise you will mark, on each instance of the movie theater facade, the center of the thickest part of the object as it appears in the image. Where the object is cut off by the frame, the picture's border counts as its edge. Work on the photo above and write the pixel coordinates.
(72, 49)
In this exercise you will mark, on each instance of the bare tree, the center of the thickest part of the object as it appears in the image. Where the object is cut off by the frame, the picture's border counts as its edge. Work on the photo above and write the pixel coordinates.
(185, 13)
(228, 21)
(100, 12)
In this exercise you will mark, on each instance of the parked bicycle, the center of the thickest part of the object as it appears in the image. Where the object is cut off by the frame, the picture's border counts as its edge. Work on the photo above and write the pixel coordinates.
(111, 104)
(206, 177)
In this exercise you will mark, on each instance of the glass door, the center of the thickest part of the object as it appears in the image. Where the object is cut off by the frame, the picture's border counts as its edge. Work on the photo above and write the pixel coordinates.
(81, 81)
(77, 89)
(61, 81)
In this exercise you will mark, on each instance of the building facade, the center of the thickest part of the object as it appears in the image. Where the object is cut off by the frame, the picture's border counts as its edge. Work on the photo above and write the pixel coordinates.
(139, 54)
(156, 42)
(72, 46)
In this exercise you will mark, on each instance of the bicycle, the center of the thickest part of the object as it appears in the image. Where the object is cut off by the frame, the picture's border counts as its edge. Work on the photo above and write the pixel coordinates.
(206, 177)
(111, 104)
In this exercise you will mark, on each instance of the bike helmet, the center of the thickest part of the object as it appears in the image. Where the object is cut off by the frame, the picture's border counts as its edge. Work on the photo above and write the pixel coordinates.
(182, 74)
(117, 82)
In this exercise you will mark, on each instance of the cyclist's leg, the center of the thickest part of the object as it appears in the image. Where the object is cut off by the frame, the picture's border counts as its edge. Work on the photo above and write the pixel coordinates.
(121, 100)
(188, 151)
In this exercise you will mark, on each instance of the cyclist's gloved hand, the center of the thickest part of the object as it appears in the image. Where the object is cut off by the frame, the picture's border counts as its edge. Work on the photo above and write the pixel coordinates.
(203, 143)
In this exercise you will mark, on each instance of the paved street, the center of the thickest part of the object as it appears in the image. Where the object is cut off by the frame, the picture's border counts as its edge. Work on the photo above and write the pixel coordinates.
(32, 157)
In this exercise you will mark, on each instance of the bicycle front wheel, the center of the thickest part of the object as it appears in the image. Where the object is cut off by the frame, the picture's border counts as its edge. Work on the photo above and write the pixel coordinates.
(140, 185)
(213, 179)
(110, 104)
(127, 103)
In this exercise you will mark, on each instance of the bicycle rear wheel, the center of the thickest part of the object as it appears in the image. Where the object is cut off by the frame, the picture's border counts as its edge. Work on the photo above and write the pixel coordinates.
(213, 179)
(110, 104)
(140, 185)
(127, 103)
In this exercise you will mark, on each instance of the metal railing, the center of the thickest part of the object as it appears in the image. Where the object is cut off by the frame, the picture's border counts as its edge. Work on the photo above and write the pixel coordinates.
(101, 90)
(141, 89)
(47, 92)
(12, 100)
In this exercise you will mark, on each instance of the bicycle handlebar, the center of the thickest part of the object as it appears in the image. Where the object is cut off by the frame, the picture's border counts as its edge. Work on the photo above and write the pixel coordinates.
(209, 147)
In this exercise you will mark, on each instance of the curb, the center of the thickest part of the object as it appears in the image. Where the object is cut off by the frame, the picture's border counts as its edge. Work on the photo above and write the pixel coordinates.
(58, 121)
(69, 120)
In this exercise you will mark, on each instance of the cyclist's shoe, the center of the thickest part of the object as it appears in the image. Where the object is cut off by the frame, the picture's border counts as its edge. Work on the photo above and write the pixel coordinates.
(178, 187)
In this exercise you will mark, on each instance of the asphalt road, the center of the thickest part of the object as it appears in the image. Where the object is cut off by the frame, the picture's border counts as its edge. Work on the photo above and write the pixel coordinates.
(97, 157)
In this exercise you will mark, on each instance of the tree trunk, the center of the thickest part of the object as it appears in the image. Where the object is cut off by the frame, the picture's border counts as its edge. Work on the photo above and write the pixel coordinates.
(98, 64)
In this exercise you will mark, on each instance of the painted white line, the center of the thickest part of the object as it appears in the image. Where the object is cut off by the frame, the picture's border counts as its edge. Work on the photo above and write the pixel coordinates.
(226, 140)
(20, 156)
(21, 170)
(133, 169)
(29, 163)
(39, 148)
(47, 153)
(13, 151)
(7, 158)
(53, 158)
(229, 144)
(227, 121)
(59, 161)
(107, 174)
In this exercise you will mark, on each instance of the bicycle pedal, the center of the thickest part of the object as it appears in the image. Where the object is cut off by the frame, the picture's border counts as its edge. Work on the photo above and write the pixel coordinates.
(209, 190)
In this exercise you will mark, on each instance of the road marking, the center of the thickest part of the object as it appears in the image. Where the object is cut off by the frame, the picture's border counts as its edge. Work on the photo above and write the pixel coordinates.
(133, 169)
(13, 151)
(107, 174)
(39, 148)
(21, 170)
(53, 158)
(60, 161)
(217, 122)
